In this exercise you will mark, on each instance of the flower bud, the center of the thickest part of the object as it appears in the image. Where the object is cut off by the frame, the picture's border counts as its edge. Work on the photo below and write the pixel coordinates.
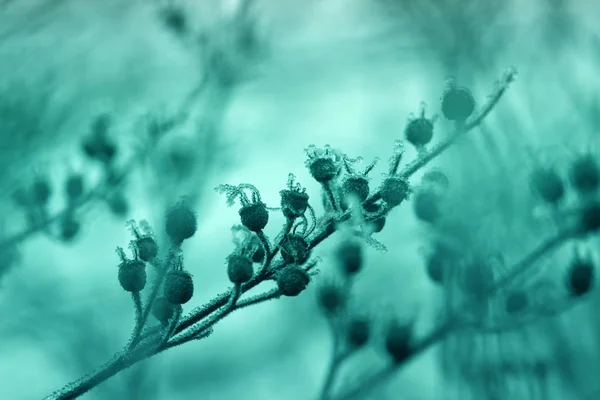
(178, 287)
(254, 216)
(132, 275)
(398, 342)
(350, 256)
(181, 223)
(239, 268)
(394, 190)
(294, 249)
(292, 280)
(147, 248)
(358, 332)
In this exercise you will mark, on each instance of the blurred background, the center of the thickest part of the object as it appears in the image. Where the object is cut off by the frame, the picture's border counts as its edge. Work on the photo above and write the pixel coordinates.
(259, 81)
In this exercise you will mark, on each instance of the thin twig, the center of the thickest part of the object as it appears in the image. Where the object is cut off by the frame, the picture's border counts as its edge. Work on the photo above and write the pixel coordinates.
(101, 189)
(454, 323)
(206, 316)
(162, 271)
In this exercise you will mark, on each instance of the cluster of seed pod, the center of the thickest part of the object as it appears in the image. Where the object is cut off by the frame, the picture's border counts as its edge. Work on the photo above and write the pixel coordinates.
(178, 285)
(583, 178)
(291, 277)
(353, 330)
(34, 199)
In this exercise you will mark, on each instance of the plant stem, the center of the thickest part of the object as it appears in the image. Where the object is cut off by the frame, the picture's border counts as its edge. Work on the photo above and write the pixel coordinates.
(453, 323)
(162, 272)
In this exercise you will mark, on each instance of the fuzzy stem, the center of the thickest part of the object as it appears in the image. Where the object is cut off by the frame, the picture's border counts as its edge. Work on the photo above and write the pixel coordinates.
(162, 272)
(453, 323)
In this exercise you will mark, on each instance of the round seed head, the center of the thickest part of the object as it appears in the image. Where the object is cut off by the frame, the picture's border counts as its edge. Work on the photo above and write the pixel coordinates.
(178, 287)
(181, 223)
(419, 131)
(294, 249)
(547, 183)
(132, 275)
(293, 203)
(254, 216)
(394, 190)
(584, 174)
(239, 268)
(589, 219)
(426, 206)
(436, 178)
(457, 104)
(330, 298)
(163, 310)
(292, 280)
(356, 185)
(69, 228)
(358, 331)
(350, 256)
(398, 342)
(74, 187)
(118, 204)
(580, 277)
(323, 169)
(41, 191)
(147, 248)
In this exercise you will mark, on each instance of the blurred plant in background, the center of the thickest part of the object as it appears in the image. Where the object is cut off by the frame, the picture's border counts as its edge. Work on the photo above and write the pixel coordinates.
(505, 312)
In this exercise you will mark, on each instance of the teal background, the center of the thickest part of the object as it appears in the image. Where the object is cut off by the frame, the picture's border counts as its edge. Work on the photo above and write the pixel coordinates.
(347, 73)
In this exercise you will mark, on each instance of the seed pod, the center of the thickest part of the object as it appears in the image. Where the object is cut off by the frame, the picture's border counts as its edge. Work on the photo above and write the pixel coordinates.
(394, 190)
(436, 178)
(419, 131)
(292, 280)
(118, 204)
(239, 268)
(356, 185)
(580, 278)
(175, 19)
(584, 174)
(178, 287)
(132, 275)
(426, 205)
(69, 228)
(41, 192)
(163, 310)
(331, 298)
(398, 342)
(438, 263)
(147, 248)
(259, 254)
(358, 332)
(74, 187)
(293, 203)
(457, 103)
(350, 256)
(516, 301)
(589, 219)
(181, 223)
(294, 249)
(323, 170)
(99, 148)
(547, 183)
(254, 216)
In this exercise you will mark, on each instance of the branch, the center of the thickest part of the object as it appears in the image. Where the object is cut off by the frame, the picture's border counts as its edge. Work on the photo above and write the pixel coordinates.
(157, 284)
(455, 323)
(102, 188)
